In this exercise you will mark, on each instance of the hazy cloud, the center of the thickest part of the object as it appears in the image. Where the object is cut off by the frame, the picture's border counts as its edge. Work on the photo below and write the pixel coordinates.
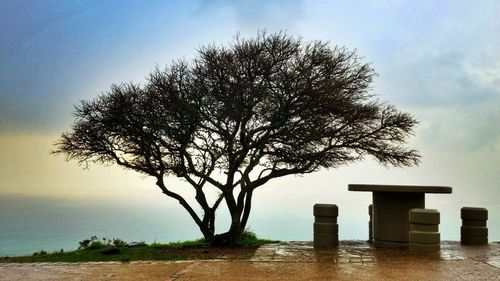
(449, 77)
(260, 14)
(440, 61)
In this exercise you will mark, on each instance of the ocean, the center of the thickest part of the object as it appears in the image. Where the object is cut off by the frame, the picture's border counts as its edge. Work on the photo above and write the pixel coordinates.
(30, 224)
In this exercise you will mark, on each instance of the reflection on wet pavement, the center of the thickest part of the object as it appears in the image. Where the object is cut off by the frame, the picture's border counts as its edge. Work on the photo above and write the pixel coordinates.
(363, 252)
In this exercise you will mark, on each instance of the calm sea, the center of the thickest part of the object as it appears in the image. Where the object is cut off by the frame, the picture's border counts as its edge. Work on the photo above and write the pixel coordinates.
(30, 224)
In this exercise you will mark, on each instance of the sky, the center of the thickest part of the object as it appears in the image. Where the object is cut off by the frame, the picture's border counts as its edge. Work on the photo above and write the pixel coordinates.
(438, 60)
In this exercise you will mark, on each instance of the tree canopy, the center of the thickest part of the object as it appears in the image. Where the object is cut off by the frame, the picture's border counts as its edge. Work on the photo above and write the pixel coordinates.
(254, 110)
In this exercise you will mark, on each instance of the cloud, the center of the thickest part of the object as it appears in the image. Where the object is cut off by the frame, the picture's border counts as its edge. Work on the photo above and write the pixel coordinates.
(474, 128)
(449, 77)
(260, 14)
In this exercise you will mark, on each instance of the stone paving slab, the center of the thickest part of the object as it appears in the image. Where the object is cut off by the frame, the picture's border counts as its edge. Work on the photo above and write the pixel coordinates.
(93, 271)
(256, 271)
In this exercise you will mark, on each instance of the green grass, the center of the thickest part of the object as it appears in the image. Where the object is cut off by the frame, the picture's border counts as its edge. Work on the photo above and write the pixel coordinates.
(181, 244)
(87, 255)
(111, 251)
(249, 238)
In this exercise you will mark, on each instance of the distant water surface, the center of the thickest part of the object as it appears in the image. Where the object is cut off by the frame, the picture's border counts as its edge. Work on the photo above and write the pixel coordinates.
(34, 224)
(29, 224)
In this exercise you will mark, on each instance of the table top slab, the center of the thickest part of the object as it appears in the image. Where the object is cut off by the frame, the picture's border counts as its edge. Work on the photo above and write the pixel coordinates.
(399, 188)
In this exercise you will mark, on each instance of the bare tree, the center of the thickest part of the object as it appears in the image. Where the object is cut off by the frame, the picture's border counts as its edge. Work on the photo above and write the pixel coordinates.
(238, 116)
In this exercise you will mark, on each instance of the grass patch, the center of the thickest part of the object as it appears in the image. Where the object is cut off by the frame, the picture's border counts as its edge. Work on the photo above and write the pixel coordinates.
(87, 255)
(95, 249)
(249, 238)
(182, 244)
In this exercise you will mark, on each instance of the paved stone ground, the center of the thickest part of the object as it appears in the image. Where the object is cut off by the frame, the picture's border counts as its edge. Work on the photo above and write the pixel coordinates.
(352, 260)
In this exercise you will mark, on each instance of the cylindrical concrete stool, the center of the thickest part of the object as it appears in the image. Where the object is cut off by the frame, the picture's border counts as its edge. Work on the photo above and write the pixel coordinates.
(474, 230)
(326, 229)
(424, 230)
(370, 224)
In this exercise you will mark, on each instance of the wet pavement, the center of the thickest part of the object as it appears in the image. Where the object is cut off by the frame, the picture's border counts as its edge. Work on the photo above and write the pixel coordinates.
(352, 260)
(362, 252)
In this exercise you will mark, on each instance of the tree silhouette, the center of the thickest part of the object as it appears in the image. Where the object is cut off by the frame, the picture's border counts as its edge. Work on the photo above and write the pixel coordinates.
(238, 116)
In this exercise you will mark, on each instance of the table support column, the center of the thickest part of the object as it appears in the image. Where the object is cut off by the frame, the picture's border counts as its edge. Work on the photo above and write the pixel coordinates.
(390, 217)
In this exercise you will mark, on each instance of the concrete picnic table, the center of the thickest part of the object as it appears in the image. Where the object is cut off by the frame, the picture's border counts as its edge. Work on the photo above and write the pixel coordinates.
(391, 204)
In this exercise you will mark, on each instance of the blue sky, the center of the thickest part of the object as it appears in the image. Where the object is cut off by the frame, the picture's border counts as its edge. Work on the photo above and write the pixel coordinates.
(54, 53)
(439, 60)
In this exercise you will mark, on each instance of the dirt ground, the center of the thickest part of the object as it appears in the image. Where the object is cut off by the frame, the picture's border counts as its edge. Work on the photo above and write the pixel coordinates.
(209, 253)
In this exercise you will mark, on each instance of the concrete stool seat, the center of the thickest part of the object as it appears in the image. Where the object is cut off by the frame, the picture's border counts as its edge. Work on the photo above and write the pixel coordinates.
(425, 237)
(325, 240)
(474, 230)
(473, 223)
(417, 247)
(472, 213)
(464, 240)
(424, 227)
(326, 229)
(326, 210)
(325, 219)
(424, 216)
(424, 230)
(320, 227)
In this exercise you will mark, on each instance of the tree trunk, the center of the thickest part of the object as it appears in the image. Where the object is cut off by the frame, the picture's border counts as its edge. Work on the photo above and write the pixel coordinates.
(228, 238)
